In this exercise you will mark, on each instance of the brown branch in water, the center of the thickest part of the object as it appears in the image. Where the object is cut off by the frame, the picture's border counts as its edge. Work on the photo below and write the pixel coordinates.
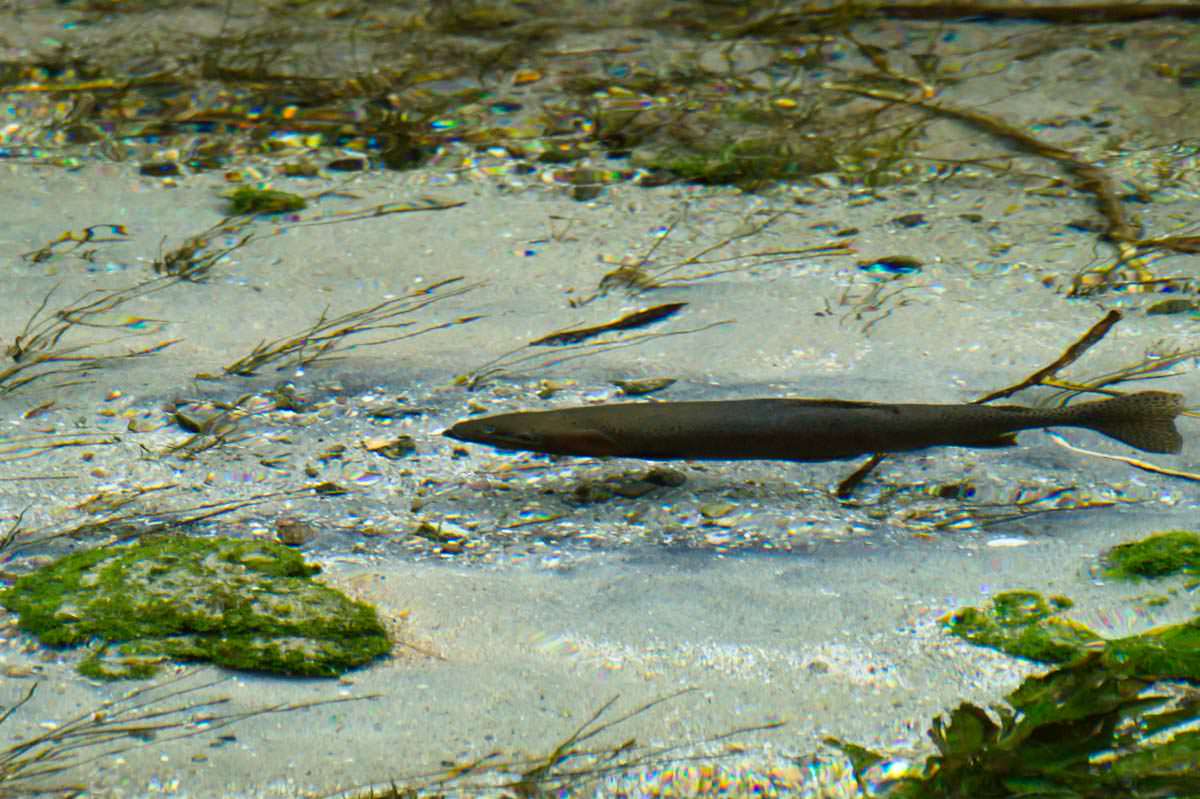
(1092, 179)
(845, 489)
(1188, 245)
(1041, 377)
(1148, 368)
(1071, 354)
(508, 363)
(631, 321)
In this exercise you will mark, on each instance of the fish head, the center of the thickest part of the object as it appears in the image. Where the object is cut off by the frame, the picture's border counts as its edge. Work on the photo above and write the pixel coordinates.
(549, 432)
(502, 432)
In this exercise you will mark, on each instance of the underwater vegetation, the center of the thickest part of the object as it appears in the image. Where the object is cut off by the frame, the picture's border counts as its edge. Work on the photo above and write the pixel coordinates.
(1118, 717)
(1024, 624)
(237, 603)
(1089, 729)
(250, 200)
(1159, 555)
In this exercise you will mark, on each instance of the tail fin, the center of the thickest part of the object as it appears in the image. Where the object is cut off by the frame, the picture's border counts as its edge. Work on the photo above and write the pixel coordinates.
(1145, 420)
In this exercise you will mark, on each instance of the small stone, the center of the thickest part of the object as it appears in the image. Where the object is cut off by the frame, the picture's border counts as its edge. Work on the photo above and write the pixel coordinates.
(715, 510)
(294, 532)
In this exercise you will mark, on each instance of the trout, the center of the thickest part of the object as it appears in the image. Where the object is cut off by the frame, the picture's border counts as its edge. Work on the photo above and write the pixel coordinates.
(810, 429)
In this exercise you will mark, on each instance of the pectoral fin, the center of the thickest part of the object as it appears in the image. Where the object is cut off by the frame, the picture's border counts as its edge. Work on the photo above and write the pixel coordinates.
(585, 442)
(1002, 440)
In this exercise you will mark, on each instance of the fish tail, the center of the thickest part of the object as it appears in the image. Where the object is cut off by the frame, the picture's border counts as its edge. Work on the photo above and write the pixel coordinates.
(1145, 420)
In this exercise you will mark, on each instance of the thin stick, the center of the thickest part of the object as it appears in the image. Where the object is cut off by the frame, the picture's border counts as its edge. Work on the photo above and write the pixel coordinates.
(1093, 179)
(1072, 353)
(1137, 463)
(1043, 376)
(846, 487)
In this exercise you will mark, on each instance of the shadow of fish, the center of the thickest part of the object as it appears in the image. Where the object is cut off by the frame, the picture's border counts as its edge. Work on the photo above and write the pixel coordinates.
(810, 429)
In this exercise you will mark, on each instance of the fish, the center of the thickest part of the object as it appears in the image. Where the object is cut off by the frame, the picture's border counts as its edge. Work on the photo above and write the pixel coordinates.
(799, 429)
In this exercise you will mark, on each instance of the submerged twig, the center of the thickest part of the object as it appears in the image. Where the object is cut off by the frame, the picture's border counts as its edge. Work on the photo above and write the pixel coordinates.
(18, 448)
(126, 524)
(1137, 463)
(327, 337)
(1123, 232)
(37, 351)
(1071, 354)
(1093, 179)
(628, 322)
(561, 770)
(508, 363)
(115, 726)
(1042, 377)
(638, 276)
(845, 489)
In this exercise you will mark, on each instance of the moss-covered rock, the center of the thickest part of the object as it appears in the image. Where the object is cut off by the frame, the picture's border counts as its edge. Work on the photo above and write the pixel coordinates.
(1158, 555)
(1024, 624)
(238, 603)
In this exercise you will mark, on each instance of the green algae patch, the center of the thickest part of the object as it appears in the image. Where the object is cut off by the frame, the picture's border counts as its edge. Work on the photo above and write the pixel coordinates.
(1158, 555)
(1024, 624)
(241, 604)
(250, 200)
(1170, 653)
(1084, 731)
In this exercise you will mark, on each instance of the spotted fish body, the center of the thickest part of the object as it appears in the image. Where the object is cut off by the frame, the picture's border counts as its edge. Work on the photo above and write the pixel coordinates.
(810, 429)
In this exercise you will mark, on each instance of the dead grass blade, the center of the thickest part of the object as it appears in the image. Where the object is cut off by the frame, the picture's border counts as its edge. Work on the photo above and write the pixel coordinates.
(112, 517)
(1137, 463)
(631, 321)
(88, 235)
(38, 351)
(19, 448)
(374, 212)
(638, 276)
(328, 337)
(165, 710)
(519, 361)
(194, 261)
(566, 767)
